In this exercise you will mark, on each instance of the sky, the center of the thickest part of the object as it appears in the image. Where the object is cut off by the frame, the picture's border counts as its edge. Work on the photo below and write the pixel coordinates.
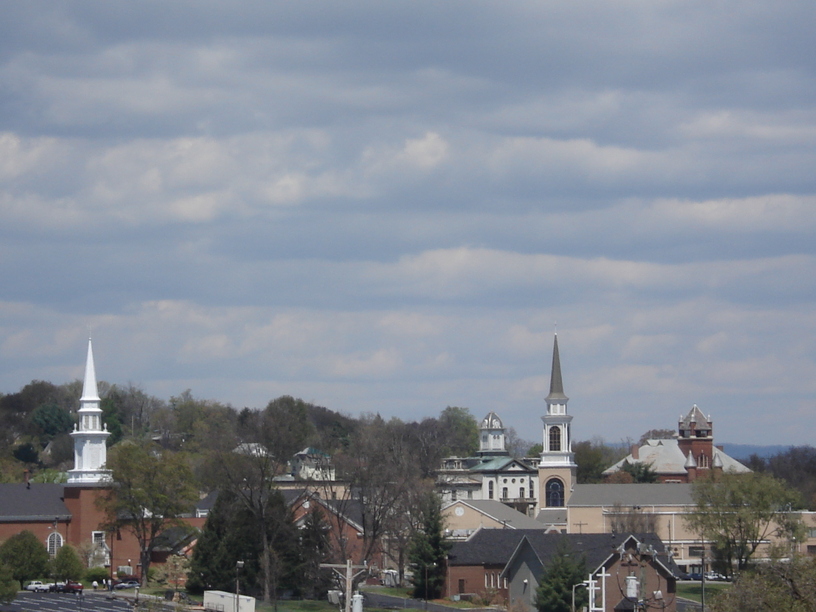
(390, 207)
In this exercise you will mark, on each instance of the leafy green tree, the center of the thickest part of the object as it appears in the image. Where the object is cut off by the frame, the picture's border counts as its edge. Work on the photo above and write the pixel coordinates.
(593, 457)
(51, 420)
(788, 586)
(737, 512)
(153, 487)
(536, 449)
(554, 593)
(429, 550)
(8, 586)
(67, 565)
(461, 431)
(25, 555)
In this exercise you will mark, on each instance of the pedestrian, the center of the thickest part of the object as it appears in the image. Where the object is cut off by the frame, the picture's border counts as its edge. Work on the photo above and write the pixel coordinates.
(95, 585)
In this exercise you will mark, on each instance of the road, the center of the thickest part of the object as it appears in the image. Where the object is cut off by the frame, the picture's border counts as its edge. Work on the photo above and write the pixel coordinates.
(94, 601)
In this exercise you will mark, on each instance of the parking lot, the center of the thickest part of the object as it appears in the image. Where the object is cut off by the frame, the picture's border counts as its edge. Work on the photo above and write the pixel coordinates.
(94, 601)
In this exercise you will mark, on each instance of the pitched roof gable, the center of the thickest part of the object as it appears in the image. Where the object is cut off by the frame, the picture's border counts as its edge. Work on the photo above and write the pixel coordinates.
(32, 503)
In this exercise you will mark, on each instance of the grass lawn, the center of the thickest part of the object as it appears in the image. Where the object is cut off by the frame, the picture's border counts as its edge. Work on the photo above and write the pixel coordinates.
(693, 590)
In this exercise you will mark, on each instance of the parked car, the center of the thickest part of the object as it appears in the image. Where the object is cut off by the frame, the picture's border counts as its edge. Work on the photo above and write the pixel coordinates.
(38, 586)
(127, 584)
(695, 576)
(714, 576)
(69, 587)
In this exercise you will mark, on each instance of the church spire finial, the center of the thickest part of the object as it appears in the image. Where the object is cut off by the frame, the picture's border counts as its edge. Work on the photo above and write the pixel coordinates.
(90, 392)
(556, 384)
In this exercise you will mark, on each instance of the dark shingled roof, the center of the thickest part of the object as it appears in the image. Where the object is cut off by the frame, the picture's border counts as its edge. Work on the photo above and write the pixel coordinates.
(496, 546)
(35, 502)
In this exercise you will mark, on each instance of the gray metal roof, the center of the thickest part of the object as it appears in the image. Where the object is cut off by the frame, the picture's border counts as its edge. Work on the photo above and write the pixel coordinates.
(665, 457)
(592, 495)
(31, 503)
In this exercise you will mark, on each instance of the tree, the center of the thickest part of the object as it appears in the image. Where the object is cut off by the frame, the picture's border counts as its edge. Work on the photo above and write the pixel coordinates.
(25, 555)
(8, 586)
(789, 586)
(51, 420)
(640, 472)
(737, 512)
(632, 519)
(429, 550)
(461, 431)
(273, 437)
(379, 470)
(232, 533)
(593, 457)
(175, 570)
(315, 549)
(67, 565)
(152, 488)
(554, 593)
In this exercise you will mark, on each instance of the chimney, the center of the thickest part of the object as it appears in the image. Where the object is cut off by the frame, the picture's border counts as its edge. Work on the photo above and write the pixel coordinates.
(635, 452)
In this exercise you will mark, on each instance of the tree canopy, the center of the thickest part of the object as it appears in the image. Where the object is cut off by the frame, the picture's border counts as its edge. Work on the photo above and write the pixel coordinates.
(25, 555)
(737, 512)
(153, 487)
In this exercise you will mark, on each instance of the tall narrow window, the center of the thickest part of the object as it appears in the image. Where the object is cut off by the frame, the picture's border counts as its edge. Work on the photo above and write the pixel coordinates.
(555, 493)
(555, 438)
(54, 543)
(490, 489)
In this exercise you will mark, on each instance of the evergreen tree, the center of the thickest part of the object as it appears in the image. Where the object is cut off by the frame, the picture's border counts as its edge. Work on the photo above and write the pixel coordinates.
(315, 549)
(554, 593)
(429, 550)
(231, 535)
(25, 555)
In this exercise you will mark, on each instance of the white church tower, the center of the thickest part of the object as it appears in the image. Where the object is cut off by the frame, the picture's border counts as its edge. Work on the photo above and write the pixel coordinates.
(557, 467)
(90, 452)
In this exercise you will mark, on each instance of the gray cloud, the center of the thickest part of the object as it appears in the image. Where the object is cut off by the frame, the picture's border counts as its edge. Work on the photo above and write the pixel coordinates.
(385, 207)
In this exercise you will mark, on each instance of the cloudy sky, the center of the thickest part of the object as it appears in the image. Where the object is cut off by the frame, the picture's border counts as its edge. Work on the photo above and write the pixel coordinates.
(388, 206)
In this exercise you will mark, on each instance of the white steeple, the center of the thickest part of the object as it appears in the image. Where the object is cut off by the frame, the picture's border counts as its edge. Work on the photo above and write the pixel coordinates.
(90, 452)
(556, 467)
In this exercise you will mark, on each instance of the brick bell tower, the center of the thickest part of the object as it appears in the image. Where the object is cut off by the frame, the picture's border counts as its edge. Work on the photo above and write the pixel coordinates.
(695, 438)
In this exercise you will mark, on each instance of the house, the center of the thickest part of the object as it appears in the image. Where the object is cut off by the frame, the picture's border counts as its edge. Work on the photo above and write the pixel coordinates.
(625, 572)
(464, 517)
(504, 566)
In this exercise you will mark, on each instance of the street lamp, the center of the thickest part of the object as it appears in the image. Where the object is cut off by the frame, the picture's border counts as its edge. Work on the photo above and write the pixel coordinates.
(575, 586)
(427, 565)
(238, 566)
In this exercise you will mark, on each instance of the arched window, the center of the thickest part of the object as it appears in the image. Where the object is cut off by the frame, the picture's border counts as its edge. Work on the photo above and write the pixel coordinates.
(555, 438)
(53, 543)
(555, 493)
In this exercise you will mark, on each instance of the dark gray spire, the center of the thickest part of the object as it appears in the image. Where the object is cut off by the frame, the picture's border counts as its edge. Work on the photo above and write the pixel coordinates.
(556, 384)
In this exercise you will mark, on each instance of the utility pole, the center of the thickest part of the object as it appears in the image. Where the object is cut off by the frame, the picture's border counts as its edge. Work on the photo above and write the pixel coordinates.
(348, 576)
